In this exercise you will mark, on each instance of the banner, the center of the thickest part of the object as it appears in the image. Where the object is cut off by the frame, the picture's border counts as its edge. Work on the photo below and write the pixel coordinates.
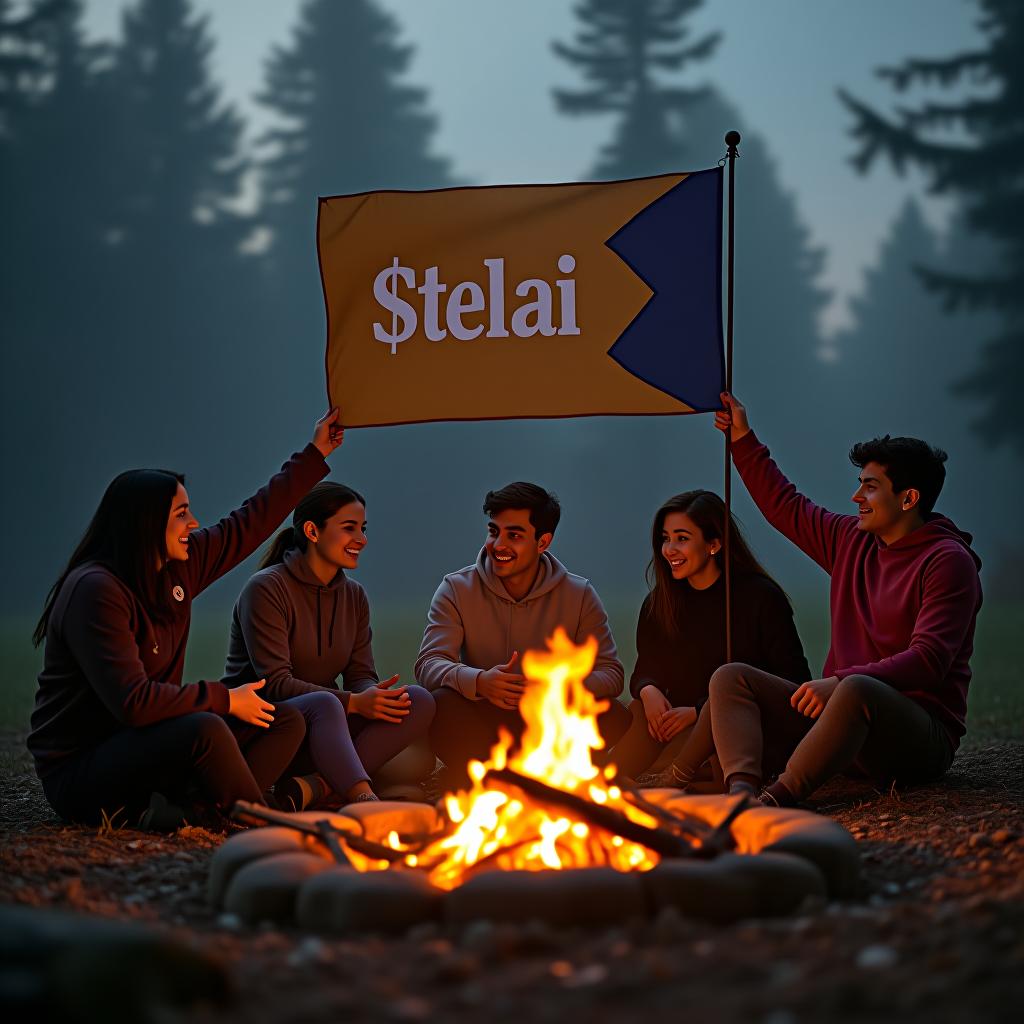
(519, 301)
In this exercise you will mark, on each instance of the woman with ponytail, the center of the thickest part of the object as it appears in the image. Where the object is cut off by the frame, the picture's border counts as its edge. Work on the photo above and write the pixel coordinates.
(680, 637)
(301, 623)
(114, 729)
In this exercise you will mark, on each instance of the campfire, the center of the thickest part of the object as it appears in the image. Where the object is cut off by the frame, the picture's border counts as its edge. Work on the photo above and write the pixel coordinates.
(592, 849)
(539, 807)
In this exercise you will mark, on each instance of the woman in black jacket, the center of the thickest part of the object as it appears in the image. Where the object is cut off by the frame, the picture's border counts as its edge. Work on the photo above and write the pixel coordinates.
(680, 636)
(114, 729)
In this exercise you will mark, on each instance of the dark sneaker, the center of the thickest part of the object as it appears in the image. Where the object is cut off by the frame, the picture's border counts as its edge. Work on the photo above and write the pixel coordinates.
(161, 815)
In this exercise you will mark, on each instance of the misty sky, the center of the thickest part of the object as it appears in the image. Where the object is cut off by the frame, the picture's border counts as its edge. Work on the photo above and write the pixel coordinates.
(780, 62)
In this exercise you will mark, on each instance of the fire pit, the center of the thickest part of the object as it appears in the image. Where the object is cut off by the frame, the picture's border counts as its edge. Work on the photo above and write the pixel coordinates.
(541, 834)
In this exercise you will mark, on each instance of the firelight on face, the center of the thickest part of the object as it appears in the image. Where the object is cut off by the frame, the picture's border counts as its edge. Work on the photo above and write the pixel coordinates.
(180, 523)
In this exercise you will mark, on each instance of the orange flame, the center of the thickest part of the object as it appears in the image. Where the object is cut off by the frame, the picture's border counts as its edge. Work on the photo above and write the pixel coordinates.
(498, 824)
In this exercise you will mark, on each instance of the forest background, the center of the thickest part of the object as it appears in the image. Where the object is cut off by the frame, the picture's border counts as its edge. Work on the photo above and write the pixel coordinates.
(160, 162)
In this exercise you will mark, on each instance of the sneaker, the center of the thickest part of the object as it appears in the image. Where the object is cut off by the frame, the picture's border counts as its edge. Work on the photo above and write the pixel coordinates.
(161, 815)
(301, 792)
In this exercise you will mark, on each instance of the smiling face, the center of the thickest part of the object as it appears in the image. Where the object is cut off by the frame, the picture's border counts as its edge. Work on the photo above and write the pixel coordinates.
(340, 541)
(880, 510)
(690, 557)
(180, 523)
(513, 547)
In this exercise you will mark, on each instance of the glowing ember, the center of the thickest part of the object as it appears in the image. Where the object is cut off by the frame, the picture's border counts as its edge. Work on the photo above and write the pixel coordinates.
(497, 825)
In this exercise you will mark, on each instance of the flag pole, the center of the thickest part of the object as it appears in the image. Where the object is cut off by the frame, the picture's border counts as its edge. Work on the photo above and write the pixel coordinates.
(732, 140)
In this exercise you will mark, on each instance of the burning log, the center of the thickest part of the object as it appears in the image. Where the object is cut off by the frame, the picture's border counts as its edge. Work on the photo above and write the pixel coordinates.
(695, 829)
(658, 840)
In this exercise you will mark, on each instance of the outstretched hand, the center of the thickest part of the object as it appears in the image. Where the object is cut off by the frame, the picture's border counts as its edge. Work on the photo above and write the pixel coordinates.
(327, 434)
(245, 704)
(732, 417)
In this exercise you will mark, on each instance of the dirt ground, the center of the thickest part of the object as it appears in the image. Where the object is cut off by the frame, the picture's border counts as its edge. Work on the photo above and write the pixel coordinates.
(937, 935)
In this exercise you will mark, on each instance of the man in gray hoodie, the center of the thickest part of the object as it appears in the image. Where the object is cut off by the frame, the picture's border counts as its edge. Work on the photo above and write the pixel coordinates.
(485, 615)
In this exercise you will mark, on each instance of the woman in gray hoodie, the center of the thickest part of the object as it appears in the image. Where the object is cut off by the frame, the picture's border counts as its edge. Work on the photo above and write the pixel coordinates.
(301, 623)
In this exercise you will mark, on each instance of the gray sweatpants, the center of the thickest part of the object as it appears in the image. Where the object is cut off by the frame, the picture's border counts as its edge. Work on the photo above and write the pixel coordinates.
(866, 724)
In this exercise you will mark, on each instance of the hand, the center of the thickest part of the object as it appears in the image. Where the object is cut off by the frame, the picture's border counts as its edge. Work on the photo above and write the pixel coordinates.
(381, 702)
(675, 720)
(810, 698)
(502, 685)
(327, 435)
(245, 704)
(733, 417)
(655, 705)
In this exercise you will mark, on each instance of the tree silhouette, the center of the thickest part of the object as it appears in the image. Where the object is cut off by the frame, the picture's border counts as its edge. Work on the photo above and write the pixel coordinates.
(624, 51)
(987, 173)
(632, 63)
(347, 122)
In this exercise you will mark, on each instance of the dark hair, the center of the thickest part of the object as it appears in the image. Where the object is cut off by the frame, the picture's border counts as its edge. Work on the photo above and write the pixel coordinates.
(908, 462)
(707, 510)
(543, 506)
(127, 534)
(316, 507)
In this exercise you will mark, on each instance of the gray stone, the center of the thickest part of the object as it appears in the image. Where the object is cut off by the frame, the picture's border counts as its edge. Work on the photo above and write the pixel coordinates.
(734, 886)
(784, 881)
(711, 890)
(266, 889)
(255, 844)
(376, 818)
(67, 967)
(823, 842)
(578, 896)
(341, 900)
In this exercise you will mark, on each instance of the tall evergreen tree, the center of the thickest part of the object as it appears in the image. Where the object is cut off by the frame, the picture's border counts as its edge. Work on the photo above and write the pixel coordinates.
(348, 121)
(624, 52)
(897, 362)
(632, 63)
(183, 285)
(57, 201)
(346, 118)
(180, 164)
(987, 173)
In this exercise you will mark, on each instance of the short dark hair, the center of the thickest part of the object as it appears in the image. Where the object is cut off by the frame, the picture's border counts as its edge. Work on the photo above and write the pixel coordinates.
(908, 462)
(543, 506)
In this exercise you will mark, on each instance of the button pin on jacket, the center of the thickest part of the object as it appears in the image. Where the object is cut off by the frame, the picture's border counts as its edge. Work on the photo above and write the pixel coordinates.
(178, 594)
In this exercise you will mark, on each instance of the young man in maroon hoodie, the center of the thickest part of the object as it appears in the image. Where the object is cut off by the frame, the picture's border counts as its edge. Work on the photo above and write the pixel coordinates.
(904, 598)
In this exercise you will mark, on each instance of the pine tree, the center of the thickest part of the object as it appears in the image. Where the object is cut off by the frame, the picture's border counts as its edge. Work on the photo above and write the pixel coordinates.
(624, 51)
(664, 127)
(347, 122)
(986, 172)
(346, 119)
(900, 335)
(179, 163)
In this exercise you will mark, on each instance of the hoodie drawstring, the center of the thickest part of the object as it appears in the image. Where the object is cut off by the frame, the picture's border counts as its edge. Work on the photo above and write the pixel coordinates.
(330, 628)
(319, 650)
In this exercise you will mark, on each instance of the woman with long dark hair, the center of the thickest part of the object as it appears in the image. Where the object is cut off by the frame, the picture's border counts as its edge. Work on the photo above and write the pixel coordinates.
(680, 636)
(301, 623)
(113, 728)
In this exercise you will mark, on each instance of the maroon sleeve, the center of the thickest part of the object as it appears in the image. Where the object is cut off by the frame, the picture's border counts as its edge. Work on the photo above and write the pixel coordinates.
(96, 628)
(219, 548)
(813, 529)
(951, 591)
